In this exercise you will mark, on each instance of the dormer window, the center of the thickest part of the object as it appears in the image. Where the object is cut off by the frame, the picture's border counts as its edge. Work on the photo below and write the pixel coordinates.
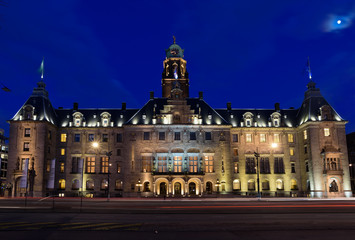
(77, 119)
(28, 112)
(248, 119)
(105, 119)
(326, 113)
(276, 119)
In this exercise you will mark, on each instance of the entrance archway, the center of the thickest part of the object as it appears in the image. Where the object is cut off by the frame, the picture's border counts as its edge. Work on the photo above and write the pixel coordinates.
(162, 188)
(209, 187)
(177, 188)
(192, 188)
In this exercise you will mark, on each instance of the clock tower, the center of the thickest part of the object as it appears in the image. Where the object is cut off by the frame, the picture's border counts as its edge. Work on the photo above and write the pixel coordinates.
(175, 81)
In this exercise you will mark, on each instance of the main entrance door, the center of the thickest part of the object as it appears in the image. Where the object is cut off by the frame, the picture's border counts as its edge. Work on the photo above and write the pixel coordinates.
(192, 188)
(177, 188)
(163, 188)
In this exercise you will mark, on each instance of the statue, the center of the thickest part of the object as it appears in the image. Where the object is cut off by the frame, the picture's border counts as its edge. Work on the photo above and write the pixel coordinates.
(333, 186)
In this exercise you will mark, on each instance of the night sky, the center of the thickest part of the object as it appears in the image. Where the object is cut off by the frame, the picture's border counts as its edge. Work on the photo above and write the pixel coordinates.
(251, 53)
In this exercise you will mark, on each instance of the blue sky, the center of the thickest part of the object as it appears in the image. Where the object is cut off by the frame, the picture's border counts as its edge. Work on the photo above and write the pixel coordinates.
(251, 53)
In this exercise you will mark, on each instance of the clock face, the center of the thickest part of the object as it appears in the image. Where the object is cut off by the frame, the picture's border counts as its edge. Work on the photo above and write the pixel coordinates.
(174, 51)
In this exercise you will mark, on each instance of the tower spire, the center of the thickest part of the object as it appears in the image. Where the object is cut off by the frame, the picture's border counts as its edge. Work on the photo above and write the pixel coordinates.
(41, 69)
(174, 39)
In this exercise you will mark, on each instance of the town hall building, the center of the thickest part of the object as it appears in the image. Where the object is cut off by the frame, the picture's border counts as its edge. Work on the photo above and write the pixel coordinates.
(177, 145)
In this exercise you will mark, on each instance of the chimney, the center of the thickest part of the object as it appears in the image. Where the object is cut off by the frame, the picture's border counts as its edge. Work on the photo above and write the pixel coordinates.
(229, 106)
(200, 95)
(123, 106)
(277, 107)
(151, 95)
(75, 106)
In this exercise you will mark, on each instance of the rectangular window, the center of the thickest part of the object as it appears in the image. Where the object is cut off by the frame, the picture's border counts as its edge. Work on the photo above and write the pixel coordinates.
(90, 165)
(235, 152)
(293, 167)
(104, 164)
(262, 137)
(193, 163)
(292, 151)
(177, 161)
(63, 137)
(279, 165)
(208, 135)
(305, 149)
(209, 164)
(91, 137)
(26, 146)
(235, 137)
(146, 163)
(62, 167)
(146, 135)
(264, 165)
(27, 132)
(250, 166)
(305, 135)
(248, 138)
(49, 135)
(48, 165)
(276, 138)
(177, 136)
(290, 138)
(75, 164)
(161, 136)
(104, 137)
(77, 137)
(326, 132)
(192, 135)
(118, 167)
(118, 151)
(307, 167)
(162, 164)
(62, 151)
(49, 149)
(236, 167)
(119, 137)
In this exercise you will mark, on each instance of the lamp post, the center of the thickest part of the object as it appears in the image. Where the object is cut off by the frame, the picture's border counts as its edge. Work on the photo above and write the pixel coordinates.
(139, 185)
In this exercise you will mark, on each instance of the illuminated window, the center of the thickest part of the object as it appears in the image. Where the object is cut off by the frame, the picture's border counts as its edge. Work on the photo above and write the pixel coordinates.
(251, 185)
(90, 165)
(290, 137)
(326, 132)
(162, 164)
(177, 163)
(276, 138)
(48, 165)
(305, 135)
(235, 137)
(294, 184)
(146, 163)
(209, 164)
(236, 167)
(62, 151)
(248, 138)
(26, 146)
(104, 184)
(90, 184)
(236, 184)
(193, 163)
(63, 137)
(235, 152)
(292, 151)
(118, 167)
(61, 167)
(279, 184)
(27, 132)
(118, 184)
(104, 164)
(262, 137)
(61, 184)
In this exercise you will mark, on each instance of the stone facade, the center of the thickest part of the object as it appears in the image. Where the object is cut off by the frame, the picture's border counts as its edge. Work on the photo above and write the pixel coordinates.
(178, 146)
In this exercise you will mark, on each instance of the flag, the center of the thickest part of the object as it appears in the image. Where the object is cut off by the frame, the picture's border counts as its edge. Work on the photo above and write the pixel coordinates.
(41, 68)
(23, 181)
(50, 183)
(308, 69)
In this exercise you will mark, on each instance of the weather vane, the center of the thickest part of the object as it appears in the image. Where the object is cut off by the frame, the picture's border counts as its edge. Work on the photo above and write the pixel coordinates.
(174, 39)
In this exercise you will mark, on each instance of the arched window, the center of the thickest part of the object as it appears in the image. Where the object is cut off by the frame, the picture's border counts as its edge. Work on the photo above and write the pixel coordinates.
(279, 184)
(209, 188)
(248, 119)
(276, 119)
(146, 187)
(78, 119)
(236, 184)
(90, 184)
(251, 185)
(294, 184)
(61, 184)
(28, 112)
(105, 119)
(118, 185)
(326, 113)
(75, 184)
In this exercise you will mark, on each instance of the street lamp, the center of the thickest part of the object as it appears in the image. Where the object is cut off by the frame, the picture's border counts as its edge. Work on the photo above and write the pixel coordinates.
(139, 185)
